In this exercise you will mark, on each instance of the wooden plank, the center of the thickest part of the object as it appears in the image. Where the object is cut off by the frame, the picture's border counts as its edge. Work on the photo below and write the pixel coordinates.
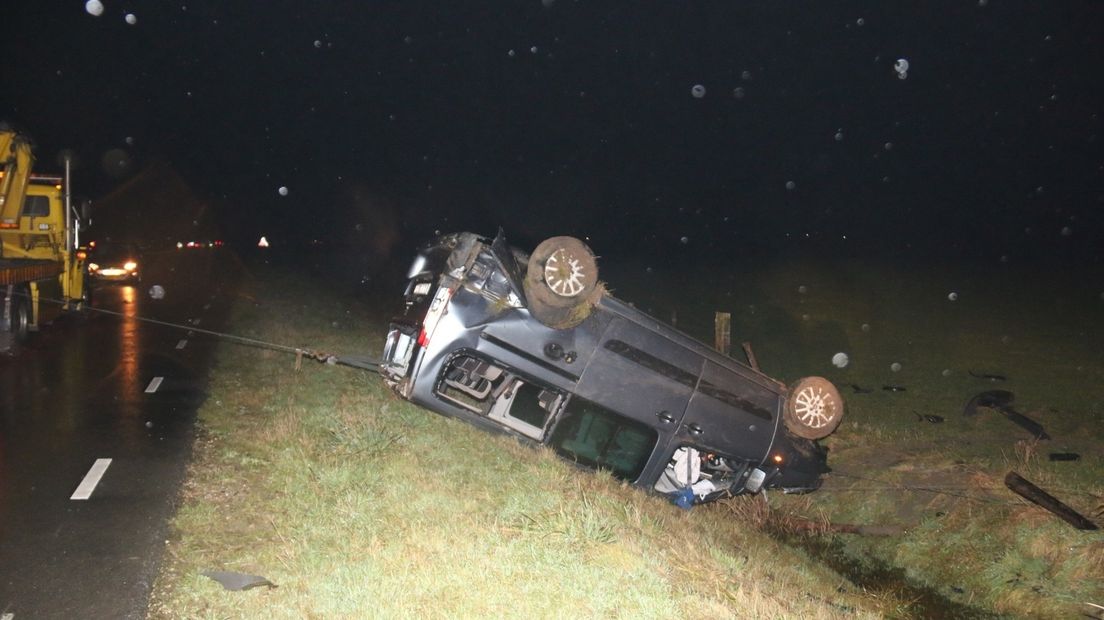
(1020, 486)
(722, 332)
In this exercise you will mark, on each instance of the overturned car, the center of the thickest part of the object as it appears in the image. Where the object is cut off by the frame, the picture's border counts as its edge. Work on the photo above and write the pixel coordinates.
(533, 345)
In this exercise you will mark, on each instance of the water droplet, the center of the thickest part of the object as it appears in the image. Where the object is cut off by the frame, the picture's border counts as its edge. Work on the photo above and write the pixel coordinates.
(698, 91)
(804, 317)
(738, 92)
(283, 191)
(895, 367)
(131, 19)
(1066, 231)
(510, 53)
(790, 185)
(802, 289)
(865, 327)
(1006, 339)
(888, 146)
(94, 7)
(157, 291)
(684, 240)
(901, 67)
(860, 22)
(745, 75)
(840, 360)
(317, 44)
(839, 136)
(533, 50)
(946, 372)
(129, 140)
(953, 296)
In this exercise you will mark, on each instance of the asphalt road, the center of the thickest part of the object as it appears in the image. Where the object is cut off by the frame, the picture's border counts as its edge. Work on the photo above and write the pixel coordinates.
(103, 387)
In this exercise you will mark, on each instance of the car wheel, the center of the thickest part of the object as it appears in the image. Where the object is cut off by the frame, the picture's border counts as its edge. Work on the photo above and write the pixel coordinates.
(813, 409)
(561, 282)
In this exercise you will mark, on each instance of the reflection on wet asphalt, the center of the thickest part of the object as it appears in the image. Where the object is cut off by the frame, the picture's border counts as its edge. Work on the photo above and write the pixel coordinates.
(78, 393)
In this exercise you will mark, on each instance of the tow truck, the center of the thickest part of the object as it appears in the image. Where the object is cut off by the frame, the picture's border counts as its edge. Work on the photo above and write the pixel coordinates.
(42, 267)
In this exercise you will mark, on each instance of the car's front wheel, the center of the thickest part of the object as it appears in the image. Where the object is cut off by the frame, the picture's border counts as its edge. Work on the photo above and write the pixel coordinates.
(561, 282)
(814, 408)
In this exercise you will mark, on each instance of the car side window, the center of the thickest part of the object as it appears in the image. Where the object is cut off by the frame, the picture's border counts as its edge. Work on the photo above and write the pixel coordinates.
(597, 437)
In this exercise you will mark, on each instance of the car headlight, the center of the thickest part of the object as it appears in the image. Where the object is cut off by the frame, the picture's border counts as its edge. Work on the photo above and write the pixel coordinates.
(130, 265)
(93, 267)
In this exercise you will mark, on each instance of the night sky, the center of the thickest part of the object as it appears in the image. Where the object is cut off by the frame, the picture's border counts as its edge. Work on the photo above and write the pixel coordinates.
(583, 118)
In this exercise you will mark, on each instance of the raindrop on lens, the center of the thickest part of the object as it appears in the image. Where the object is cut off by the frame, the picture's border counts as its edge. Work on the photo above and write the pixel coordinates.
(738, 92)
(317, 43)
(157, 291)
(946, 372)
(866, 327)
(839, 136)
(802, 289)
(745, 75)
(1066, 231)
(901, 67)
(131, 19)
(283, 191)
(888, 146)
(698, 91)
(129, 140)
(533, 50)
(860, 22)
(895, 367)
(953, 296)
(790, 185)
(510, 53)
(684, 240)
(94, 7)
(840, 360)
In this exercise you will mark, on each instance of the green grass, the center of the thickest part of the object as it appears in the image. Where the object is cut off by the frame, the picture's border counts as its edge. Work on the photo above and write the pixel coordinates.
(357, 504)
(966, 535)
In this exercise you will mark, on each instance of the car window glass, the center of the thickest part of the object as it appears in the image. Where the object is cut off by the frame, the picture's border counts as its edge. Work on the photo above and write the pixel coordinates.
(597, 437)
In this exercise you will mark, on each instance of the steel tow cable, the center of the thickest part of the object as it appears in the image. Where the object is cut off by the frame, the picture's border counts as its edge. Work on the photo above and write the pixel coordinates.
(363, 363)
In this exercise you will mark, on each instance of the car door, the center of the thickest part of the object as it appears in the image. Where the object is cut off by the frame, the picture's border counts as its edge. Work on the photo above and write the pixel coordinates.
(640, 375)
(731, 414)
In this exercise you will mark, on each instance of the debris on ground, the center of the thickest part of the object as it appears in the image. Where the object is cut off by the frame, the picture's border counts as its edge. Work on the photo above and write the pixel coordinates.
(1025, 489)
(238, 581)
(987, 376)
(1064, 456)
(1001, 400)
(934, 419)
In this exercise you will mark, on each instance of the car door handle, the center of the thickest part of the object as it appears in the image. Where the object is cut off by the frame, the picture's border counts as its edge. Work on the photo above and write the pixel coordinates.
(665, 417)
(694, 428)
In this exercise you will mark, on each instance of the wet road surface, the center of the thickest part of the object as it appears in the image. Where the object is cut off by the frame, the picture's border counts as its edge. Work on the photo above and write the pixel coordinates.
(99, 387)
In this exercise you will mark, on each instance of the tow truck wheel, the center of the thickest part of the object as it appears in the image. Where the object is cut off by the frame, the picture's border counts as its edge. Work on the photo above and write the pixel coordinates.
(561, 282)
(20, 326)
(813, 408)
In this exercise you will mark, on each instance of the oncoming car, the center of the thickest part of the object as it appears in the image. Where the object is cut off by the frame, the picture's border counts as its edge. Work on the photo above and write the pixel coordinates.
(114, 261)
(533, 346)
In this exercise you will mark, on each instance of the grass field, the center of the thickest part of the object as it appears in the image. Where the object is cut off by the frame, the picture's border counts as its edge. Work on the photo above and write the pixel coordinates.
(357, 504)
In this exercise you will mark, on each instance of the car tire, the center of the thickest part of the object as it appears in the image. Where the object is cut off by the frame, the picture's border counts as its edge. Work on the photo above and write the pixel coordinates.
(814, 408)
(561, 282)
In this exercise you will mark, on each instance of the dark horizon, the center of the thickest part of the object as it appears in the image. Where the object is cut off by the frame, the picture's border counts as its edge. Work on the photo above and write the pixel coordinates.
(575, 118)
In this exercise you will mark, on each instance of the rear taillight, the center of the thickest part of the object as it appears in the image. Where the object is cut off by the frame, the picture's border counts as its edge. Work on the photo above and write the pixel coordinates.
(433, 316)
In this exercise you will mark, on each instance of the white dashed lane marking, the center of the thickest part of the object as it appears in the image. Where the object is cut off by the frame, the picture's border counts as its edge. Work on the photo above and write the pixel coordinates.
(183, 343)
(154, 384)
(91, 479)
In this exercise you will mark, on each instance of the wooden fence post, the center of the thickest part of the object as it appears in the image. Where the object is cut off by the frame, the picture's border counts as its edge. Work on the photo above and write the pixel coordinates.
(722, 332)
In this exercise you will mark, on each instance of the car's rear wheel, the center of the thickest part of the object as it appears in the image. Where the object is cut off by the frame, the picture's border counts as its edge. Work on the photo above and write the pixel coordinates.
(814, 408)
(561, 282)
